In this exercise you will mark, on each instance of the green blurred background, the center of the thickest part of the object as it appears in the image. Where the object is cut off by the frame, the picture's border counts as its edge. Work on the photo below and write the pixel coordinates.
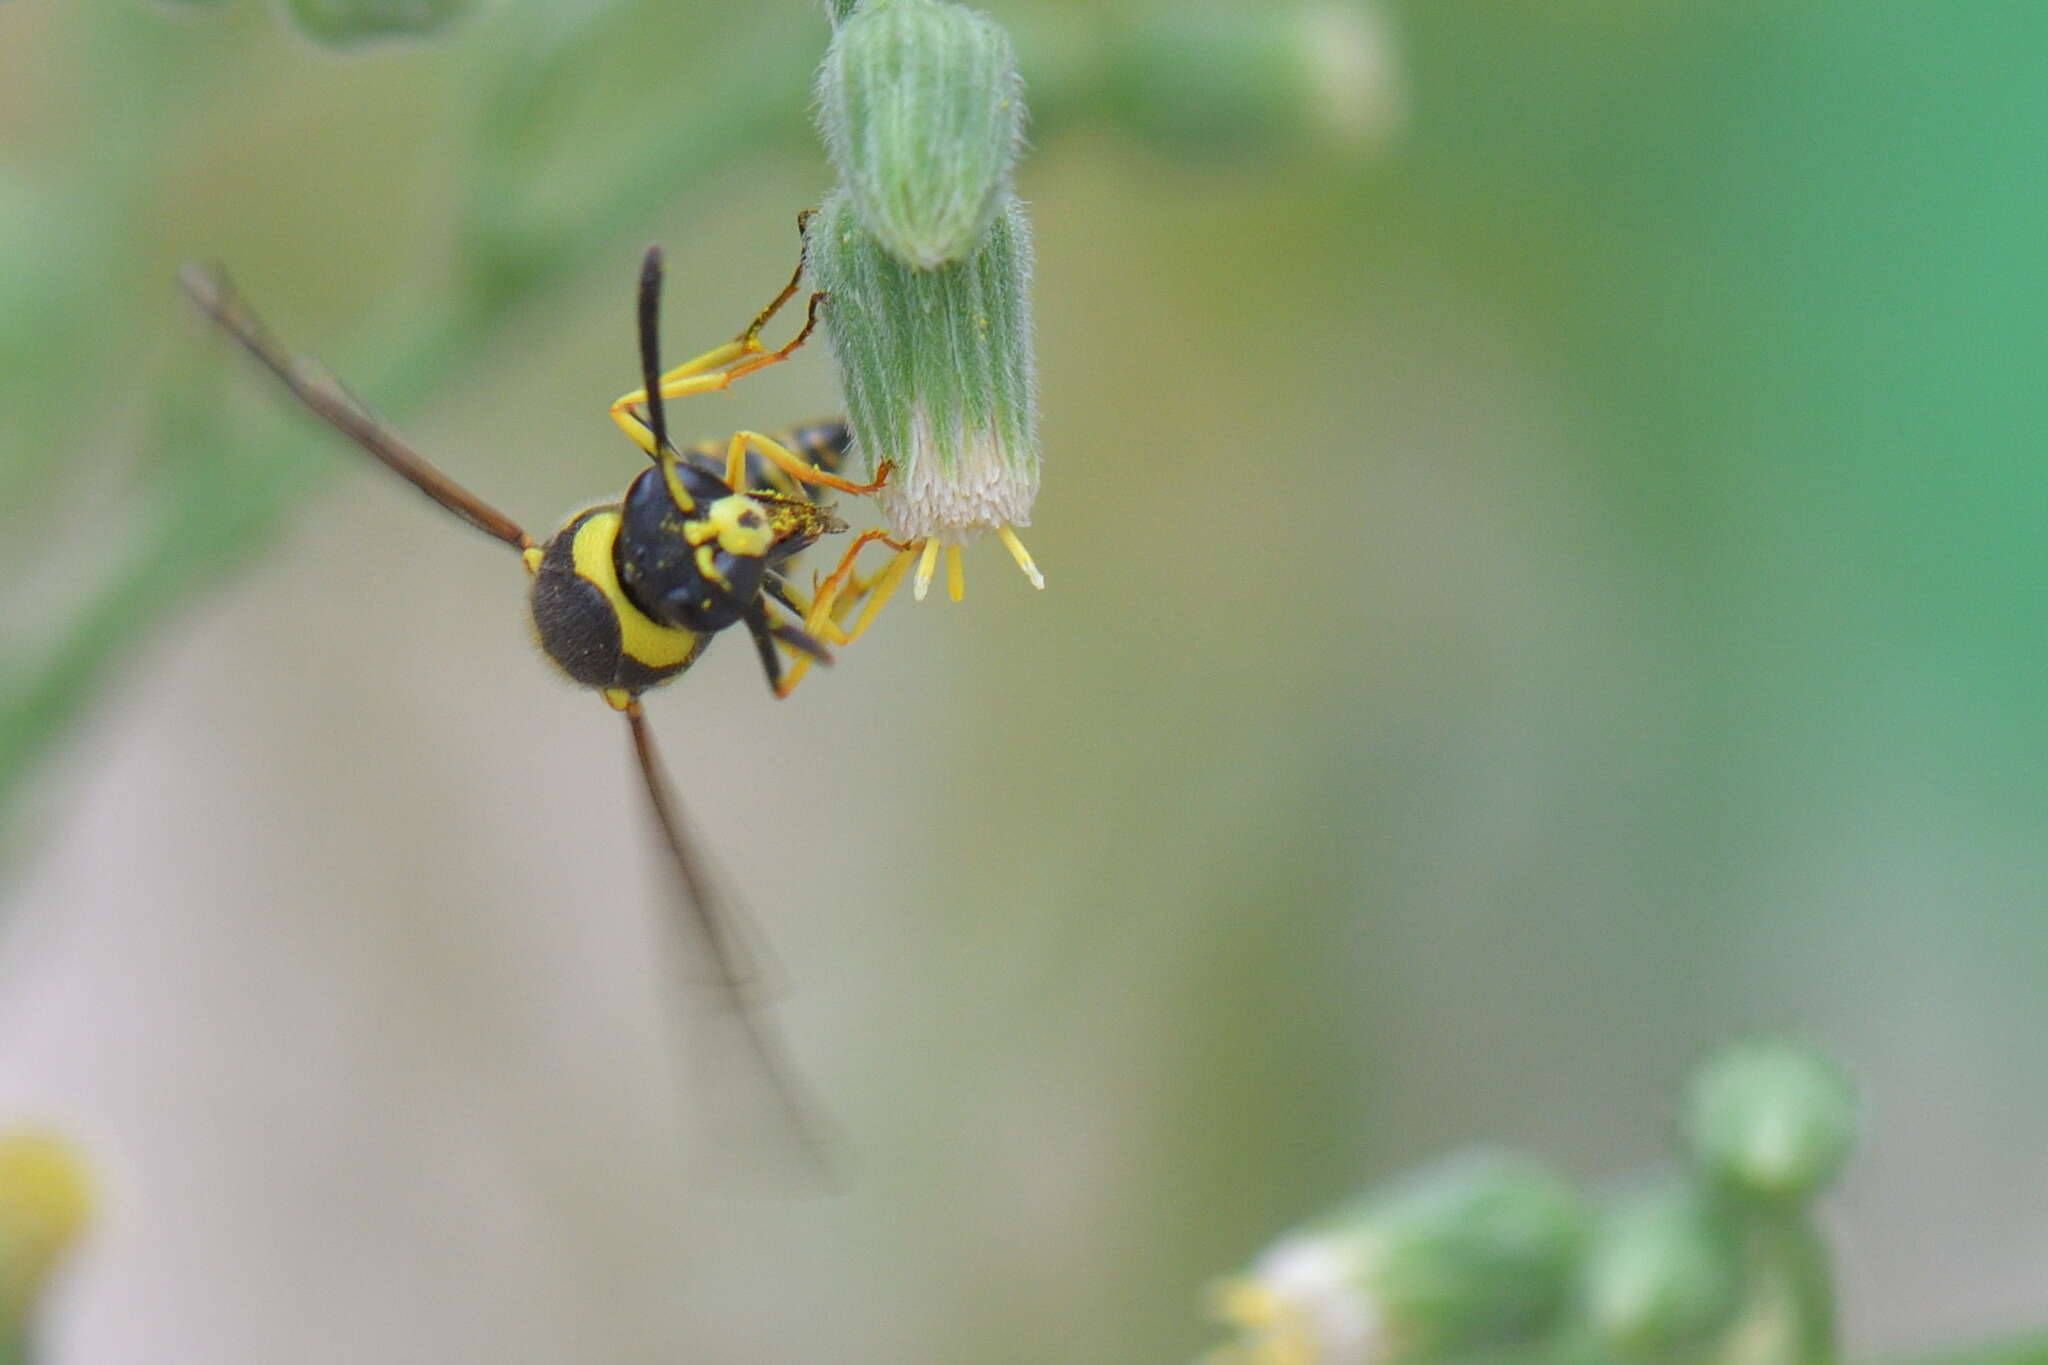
(1530, 596)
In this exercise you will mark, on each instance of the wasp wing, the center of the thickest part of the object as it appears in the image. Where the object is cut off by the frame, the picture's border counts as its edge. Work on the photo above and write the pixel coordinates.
(753, 1088)
(325, 397)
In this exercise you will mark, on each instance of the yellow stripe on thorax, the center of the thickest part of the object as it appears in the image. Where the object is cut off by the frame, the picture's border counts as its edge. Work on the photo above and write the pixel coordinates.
(650, 642)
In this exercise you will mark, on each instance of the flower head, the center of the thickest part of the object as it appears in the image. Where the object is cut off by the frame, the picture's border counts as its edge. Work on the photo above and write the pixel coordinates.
(1476, 1250)
(937, 368)
(1306, 1301)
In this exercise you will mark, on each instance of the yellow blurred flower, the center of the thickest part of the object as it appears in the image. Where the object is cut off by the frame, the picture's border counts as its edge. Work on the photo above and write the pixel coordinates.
(45, 1200)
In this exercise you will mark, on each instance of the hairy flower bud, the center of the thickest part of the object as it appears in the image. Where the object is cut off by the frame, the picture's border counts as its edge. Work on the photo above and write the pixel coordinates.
(922, 112)
(937, 368)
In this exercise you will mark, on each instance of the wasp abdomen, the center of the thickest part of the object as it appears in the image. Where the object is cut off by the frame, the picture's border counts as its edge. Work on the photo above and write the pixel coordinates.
(588, 625)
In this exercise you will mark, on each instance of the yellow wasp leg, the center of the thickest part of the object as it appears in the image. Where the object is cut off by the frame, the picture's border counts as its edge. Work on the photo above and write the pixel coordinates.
(878, 591)
(749, 341)
(834, 599)
(827, 596)
(793, 675)
(700, 376)
(885, 588)
(746, 343)
(956, 579)
(790, 463)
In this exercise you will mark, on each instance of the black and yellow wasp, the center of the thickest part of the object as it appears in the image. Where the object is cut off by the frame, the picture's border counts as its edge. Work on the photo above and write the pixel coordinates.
(627, 594)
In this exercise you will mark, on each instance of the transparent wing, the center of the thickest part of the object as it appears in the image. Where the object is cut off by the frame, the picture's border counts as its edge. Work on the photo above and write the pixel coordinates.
(327, 399)
(760, 1114)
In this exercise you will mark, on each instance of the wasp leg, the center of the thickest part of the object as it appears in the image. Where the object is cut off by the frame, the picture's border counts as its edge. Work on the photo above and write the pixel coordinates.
(782, 590)
(756, 622)
(805, 647)
(841, 591)
(825, 601)
(790, 463)
(308, 382)
(683, 381)
(746, 343)
(884, 588)
(714, 938)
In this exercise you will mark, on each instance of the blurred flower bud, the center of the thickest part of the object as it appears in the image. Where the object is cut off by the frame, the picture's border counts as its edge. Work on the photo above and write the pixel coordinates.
(345, 23)
(44, 1201)
(922, 112)
(1663, 1272)
(1476, 1250)
(937, 368)
(1771, 1119)
(1216, 80)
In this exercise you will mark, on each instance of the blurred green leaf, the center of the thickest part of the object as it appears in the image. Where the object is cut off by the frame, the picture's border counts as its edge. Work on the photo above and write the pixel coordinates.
(348, 23)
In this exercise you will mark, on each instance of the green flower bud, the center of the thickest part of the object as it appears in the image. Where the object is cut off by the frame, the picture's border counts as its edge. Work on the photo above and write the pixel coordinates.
(1663, 1272)
(1475, 1251)
(44, 1201)
(347, 23)
(938, 372)
(922, 112)
(1771, 1120)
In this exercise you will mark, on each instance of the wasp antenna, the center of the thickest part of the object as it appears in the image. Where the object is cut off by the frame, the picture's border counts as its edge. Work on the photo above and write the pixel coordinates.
(650, 345)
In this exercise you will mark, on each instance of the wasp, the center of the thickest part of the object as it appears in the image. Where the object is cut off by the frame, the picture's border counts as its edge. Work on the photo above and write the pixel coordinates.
(626, 595)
